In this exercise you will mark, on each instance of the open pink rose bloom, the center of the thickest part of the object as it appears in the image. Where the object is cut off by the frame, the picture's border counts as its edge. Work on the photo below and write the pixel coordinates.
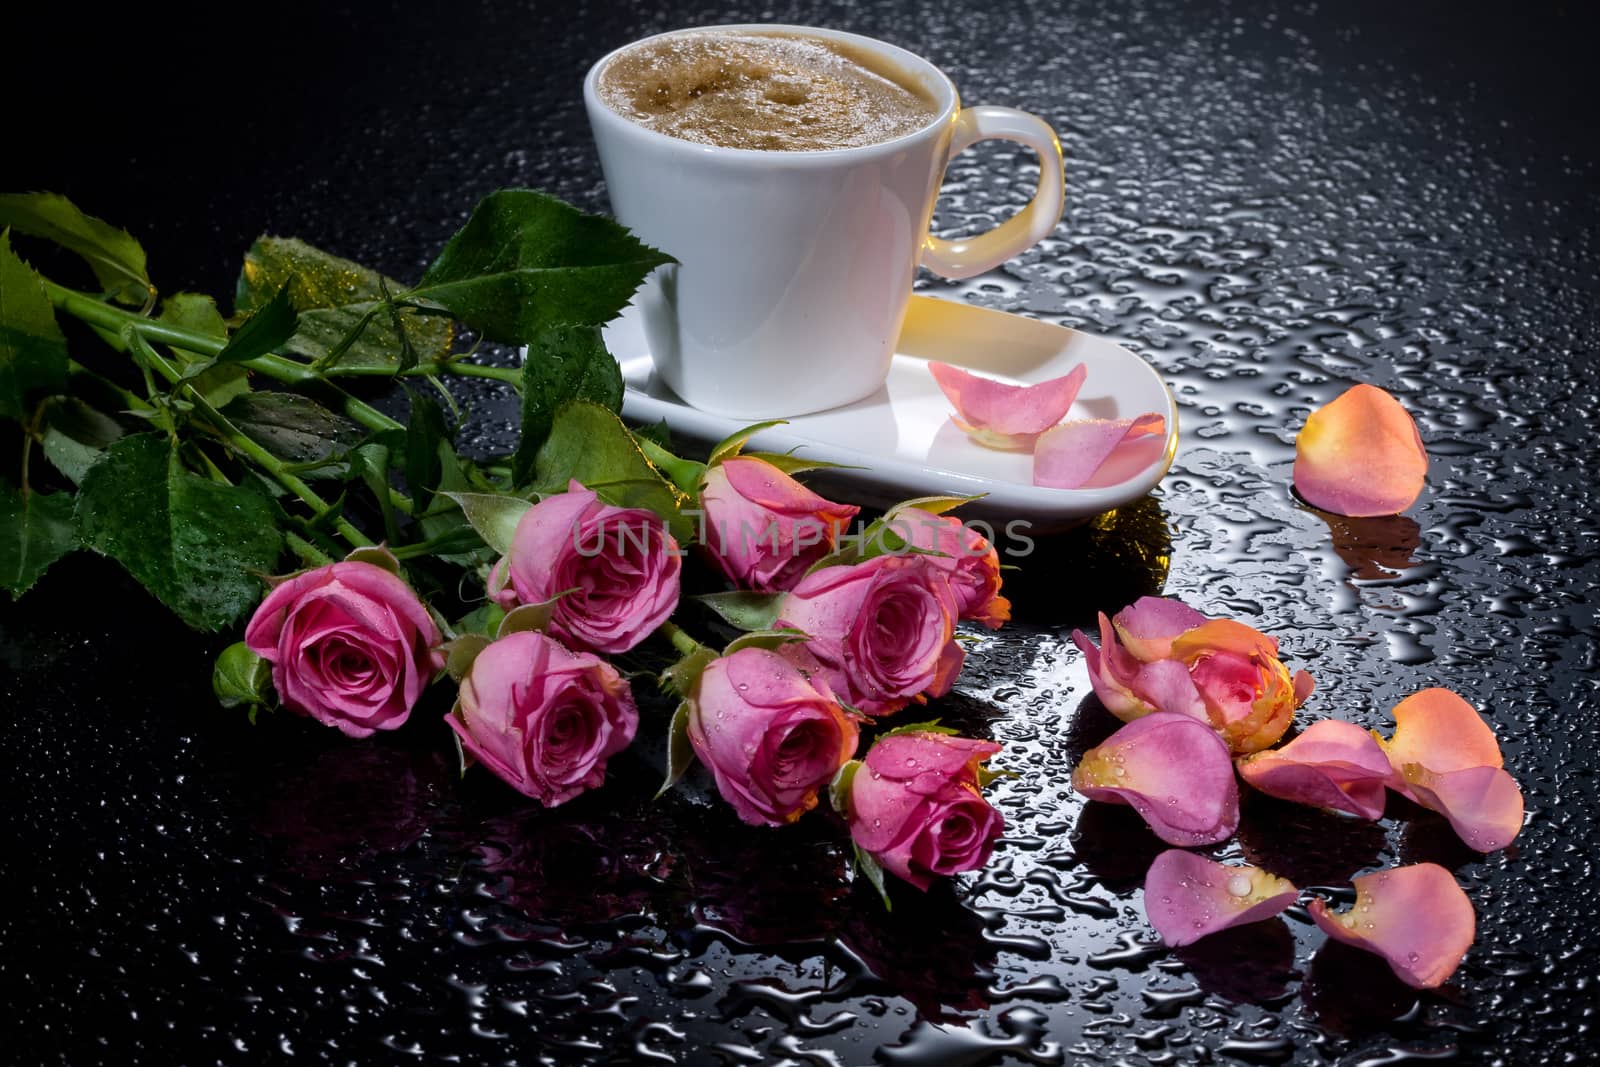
(1445, 757)
(1360, 455)
(1333, 765)
(1007, 416)
(1187, 897)
(1173, 770)
(1415, 917)
(1161, 655)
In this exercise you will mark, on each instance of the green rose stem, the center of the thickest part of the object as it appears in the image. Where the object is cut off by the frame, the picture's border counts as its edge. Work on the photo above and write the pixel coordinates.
(242, 444)
(680, 638)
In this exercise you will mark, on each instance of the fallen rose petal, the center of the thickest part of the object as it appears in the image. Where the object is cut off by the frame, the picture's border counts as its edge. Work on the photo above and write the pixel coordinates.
(1173, 770)
(1111, 672)
(1187, 896)
(1333, 764)
(1483, 804)
(1091, 453)
(1442, 732)
(1007, 416)
(1415, 917)
(1360, 455)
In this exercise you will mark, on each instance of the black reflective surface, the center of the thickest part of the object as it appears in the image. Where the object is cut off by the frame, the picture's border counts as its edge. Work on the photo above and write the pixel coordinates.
(1269, 204)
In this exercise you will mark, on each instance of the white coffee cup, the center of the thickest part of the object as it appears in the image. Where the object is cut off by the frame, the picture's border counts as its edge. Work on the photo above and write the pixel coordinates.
(795, 267)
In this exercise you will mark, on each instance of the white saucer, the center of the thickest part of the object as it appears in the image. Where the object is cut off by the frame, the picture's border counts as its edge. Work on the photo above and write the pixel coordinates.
(902, 437)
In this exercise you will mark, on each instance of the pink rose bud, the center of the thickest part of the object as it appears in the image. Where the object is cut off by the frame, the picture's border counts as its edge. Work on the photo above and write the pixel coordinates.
(544, 719)
(965, 556)
(771, 737)
(618, 569)
(881, 632)
(763, 528)
(350, 645)
(914, 806)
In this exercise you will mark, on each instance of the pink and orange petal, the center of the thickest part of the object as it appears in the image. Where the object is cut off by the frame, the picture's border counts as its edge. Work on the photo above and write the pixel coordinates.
(1360, 455)
(1187, 897)
(1092, 453)
(1006, 416)
(1333, 765)
(1416, 918)
(1173, 770)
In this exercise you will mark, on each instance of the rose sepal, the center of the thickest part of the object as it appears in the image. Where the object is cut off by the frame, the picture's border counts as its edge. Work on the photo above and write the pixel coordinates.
(730, 445)
(378, 556)
(241, 677)
(680, 750)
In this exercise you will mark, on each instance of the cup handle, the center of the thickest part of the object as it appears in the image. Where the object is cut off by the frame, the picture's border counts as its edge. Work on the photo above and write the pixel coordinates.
(966, 256)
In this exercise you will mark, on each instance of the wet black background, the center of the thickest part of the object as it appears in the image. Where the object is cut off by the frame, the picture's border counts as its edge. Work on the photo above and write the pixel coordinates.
(1267, 202)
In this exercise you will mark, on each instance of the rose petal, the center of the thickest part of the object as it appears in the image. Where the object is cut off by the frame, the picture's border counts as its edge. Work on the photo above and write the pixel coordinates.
(1148, 625)
(1224, 635)
(1091, 453)
(1173, 770)
(1111, 672)
(1483, 804)
(1007, 416)
(1442, 732)
(1360, 455)
(1333, 764)
(1415, 917)
(1187, 896)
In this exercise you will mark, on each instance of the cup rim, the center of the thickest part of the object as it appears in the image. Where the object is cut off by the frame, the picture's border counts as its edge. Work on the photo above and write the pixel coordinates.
(939, 81)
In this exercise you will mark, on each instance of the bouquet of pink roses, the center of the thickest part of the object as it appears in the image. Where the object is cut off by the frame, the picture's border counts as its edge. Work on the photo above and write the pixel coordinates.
(515, 578)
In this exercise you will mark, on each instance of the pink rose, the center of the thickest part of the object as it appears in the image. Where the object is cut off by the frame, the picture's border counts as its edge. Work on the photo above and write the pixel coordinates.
(771, 737)
(617, 566)
(764, 528)
(881, 632)
(542, 718)
(350, 645)
(914, 806)
(1161, 655)
(964, 555)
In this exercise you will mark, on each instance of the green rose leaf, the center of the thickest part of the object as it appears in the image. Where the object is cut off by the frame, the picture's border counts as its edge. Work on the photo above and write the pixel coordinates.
(240, 677)
(195, 544)
(33, 353)
(267, 328)
(590, 444)
(730, 445)
(493, 515)
(564, 363)
(752, 612)
(334, 296)
(525, 262)
(680, 751)
(36, 529)
(198, 313)
(75, 435)
(115, 257)
(294, 428)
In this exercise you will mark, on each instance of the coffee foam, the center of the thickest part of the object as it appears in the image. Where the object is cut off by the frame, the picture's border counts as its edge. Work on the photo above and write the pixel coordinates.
(764, 90)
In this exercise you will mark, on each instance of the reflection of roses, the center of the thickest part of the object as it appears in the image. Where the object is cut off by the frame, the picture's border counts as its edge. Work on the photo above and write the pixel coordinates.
(765, 529)
(543, 719)
(914, 805)
(350, 805)
(350, 645)
(614, 569)
(881, 632)
(771, 737)
(563, 871)
(1162, 655)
